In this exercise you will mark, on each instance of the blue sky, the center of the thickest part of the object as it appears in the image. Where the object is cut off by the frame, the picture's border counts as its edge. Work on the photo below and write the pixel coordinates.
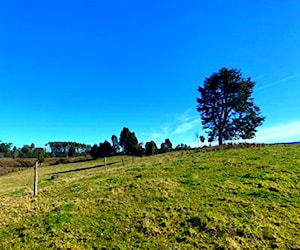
(82, 70)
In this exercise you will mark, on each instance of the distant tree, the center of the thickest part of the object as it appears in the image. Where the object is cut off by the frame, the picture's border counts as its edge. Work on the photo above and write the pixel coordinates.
(15, 152)
(26, 152)
(32, 146)
(226, 106)
(166, 146)
(115, 145)
(128, 141)
(72, 151)
(104, 149)
(210, 140)
(182, 147)
(83, 149)
(139, 150)
(151, 148)
(40, 154)
(94, 151)
(5, 149)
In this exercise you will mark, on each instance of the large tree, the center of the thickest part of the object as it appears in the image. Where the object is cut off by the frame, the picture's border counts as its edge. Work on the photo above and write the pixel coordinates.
(226, 106)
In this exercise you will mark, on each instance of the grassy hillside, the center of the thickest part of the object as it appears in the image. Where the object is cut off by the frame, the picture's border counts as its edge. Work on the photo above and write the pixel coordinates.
(227, 199)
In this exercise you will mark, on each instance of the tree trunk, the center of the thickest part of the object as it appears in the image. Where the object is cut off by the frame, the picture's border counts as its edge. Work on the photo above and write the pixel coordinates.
(220, 139)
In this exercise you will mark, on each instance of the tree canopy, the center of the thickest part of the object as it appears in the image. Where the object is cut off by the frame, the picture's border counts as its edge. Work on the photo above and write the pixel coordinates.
(226, 106)
(128, 141)
(151, 148)
(166, 146)
(62, 148)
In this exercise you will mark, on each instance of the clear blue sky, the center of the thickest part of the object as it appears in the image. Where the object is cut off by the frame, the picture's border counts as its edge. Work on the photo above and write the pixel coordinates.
(82, 70)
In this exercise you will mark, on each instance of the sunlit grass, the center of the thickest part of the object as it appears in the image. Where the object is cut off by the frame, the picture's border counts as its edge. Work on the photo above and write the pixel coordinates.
(228, 199)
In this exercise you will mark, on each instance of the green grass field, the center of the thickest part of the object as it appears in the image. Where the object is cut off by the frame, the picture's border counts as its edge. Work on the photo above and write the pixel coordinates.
(227, 199)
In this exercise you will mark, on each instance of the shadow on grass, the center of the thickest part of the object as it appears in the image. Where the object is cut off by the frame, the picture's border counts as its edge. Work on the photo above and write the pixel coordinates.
(67, 161)
(82, 169)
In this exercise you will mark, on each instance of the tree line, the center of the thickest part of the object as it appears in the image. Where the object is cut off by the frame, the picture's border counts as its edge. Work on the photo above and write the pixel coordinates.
(226, 108)
(128, 144)
(57, 149)
(27, 151)
(63, 149)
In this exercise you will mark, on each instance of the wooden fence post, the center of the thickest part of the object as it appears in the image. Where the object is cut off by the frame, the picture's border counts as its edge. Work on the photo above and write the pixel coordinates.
(105, 161)
(35, 178)
(123, 162)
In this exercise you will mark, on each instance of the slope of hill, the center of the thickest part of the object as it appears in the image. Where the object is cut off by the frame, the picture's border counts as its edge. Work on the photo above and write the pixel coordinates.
(228, 199)
(8, 165)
